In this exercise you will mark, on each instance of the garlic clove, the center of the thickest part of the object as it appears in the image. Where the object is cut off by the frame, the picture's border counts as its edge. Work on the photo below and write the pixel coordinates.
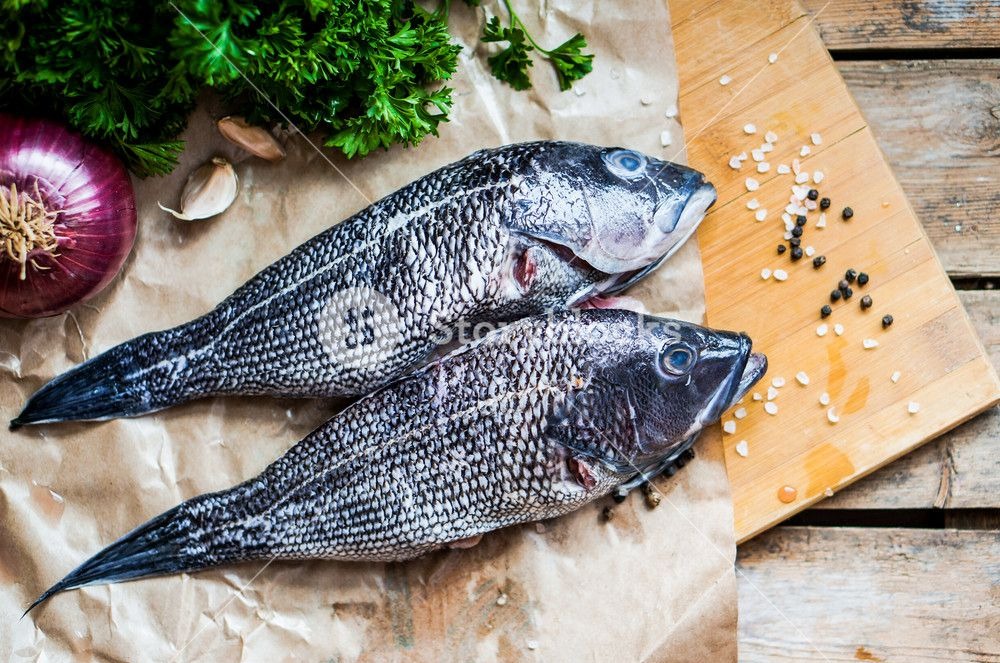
(255, 140)
(209, 190)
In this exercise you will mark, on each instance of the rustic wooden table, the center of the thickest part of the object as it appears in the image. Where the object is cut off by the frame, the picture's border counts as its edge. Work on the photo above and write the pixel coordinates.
(905, 564)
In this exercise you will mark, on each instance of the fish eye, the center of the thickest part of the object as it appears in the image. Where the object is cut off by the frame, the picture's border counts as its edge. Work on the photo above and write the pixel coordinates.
(625, 163)
(677, 359)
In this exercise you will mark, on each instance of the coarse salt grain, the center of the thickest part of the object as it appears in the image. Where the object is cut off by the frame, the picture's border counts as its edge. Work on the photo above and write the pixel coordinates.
(804, 151)
(791, 208)
(810, 204)
(646, 100)
(735, 163)
(780, 275)
(802, 177)
(741, 413)
(838, 329)
(665, 138)
(869, 343)
(765, 273)
(796, 166)
(816, 139)
(729, 427)
(771, 137)
(580, 92)
(752, 184)
(725, 79)
(818, 176)
(772, 58)
(832, 415)
(810, 251)
(742, 448)
(800, 191)
(822, 220)
(767, 147)
(824, 398)
(778, 382)
(760, 214)
(757, 155)
(787, 235)
(757, 396)
(671, 111)
(828, 492)
(895, 376)
(783, 169)
(822, 329)
(913, 407)
(763, 167)
(502, 599)
(749, 128)
(743, 156)
(753, 204)
(802, 377)
(772, 393)
(771, 407)
(532, 644)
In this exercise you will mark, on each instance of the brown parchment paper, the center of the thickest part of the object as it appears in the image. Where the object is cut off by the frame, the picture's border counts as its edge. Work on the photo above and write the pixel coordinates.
(651, 585)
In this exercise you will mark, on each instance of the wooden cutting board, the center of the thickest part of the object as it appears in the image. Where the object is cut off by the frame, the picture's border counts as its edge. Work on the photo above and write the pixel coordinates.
(943, 366)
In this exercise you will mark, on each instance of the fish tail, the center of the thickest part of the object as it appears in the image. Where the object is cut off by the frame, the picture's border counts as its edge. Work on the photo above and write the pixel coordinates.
(139, 376)
(158, 547)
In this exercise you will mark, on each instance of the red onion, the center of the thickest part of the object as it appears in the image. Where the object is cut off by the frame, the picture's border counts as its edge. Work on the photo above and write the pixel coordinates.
(67, 218)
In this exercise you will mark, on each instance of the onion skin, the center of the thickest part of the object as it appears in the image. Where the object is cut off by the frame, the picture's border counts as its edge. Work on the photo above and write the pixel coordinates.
(95, 227)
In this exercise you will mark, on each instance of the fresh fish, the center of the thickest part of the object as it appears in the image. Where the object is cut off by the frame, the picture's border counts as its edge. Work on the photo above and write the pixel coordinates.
(527, 423)
(502, 234)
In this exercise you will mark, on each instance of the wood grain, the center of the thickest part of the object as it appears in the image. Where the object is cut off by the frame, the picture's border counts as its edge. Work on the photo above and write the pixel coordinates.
(959, 470)
(938, 123)
(870, 594)
(932, 339)
(906, 24)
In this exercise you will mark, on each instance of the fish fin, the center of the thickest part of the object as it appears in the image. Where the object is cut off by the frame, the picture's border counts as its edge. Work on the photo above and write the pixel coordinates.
(121, 382)
(157, 547)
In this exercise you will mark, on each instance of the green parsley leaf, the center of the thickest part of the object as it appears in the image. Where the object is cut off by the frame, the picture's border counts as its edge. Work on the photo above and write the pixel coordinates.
(570, 62)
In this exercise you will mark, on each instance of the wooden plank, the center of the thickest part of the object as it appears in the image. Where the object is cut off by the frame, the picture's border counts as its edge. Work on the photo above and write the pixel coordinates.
(932, 339)
(961, 469)
(904, 24)
(938, 123)
(870, 594)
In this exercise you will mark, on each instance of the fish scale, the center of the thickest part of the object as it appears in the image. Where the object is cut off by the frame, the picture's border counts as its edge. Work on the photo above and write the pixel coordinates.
(482, 439)
(491, 238)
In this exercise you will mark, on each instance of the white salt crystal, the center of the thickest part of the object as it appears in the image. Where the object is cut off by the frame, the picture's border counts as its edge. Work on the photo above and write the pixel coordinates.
(729, 427)
(800, 191)
(771, 407)
(763, 167)
(735, 163)
(665, 138)
(802, 177)
(783, 169)
(760, 214)
(771, 137)
(818, 176)
(646, 100)
(772, 393)
(750, 128)
(895, 376)
(765, 273)
(780, 275)
(753, 204)
(822, 329)
(822, 220)
(913, 407)
(838, 329)
(671, 111)
(742, 448)
(741, 413)
(804, 151)
(802, 377)
(772, 58)
(796, 166)
(816, 139)
(725, 79)
(810, 251)
(869, 343)
(824, 398)
(831, 414)
(757, 155)
(767, 147)
(809, 204)
(752, 184)
(757, 396)
(778, 382)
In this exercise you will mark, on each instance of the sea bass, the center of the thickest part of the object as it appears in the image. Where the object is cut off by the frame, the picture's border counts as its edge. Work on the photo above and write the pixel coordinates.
(529, 422)
(502, 234)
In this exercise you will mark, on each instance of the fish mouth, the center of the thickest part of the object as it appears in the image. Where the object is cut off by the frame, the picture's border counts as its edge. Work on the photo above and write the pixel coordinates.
(687, 222)
(741, 380)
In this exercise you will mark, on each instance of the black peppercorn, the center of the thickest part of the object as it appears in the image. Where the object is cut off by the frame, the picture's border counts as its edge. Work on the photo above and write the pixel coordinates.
(819, 261)
(825, 311)
(834, 295)
(850, 275)
(886, 321)
(797, 231)
(800, 220)
(813, 194)
(796, 253)
(862, 279)
(795, 241)
(842, 285)
(847, 213)
(781, 249)
(866, 302)
(848, 293)
(824, 203)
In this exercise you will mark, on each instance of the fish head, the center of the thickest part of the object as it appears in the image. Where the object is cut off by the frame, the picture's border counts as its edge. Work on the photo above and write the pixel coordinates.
(616, 211)
(677, 378)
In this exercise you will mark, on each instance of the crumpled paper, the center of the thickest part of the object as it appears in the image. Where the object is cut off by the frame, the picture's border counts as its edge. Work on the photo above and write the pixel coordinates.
(651, 584)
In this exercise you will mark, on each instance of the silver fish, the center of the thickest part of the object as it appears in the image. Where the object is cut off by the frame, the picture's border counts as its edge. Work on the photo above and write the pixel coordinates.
(527, 423)
(502, 234)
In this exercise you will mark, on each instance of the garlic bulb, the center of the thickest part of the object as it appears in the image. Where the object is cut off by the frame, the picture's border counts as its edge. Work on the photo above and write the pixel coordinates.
(255, 140)
(209, 190)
